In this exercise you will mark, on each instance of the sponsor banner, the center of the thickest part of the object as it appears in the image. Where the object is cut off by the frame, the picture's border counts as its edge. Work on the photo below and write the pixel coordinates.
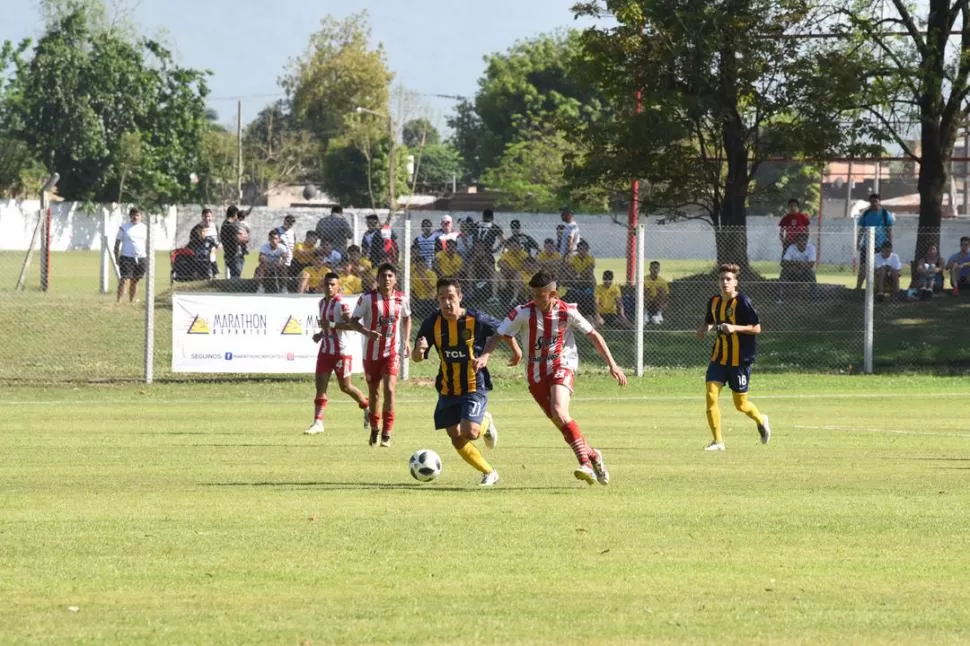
(265, 333)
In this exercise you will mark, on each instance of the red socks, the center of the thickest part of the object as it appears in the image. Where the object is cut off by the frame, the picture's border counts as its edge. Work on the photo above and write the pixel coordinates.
(319, 404)
(374, 420)
(388, 419)
(574, 438)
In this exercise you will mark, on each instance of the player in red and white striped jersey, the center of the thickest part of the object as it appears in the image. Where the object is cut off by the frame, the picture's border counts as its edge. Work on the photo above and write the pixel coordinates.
(546, 326)
(384, 314)
(334, 356)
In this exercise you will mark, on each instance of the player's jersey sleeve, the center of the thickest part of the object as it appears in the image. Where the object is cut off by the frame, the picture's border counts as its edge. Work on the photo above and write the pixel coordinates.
(427, 331)
(514, 323)
(362, 309)
(708, 315)
(342, 314)
(577, 320)
(746, 313)
(489, 324)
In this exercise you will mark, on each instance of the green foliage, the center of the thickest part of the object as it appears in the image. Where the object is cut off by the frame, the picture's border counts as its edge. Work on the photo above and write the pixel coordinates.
(277, 150)
(337, 74)
(20, 172)
(438, 164)
(775, 183)
(416, 131)
(111, 116)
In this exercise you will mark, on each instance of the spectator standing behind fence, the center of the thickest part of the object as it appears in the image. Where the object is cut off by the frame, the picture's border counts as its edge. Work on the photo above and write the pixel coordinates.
(467, 237)
(304, 252)
(234, 238)
(528, 243)
(887, 266)
(798, 265)
(425, 243)
(288, 238)
(335, 228)
(446, 232)
(549, 259)
(447, 263)
(793, 224)
(311, 278)
(928, 273)
(489, 233)
(609, 304)
(657, 294)
(580, 268)
(131, 254)
(570, 233)
(875, 216)
(424, 295)
(379, 243)
(272, 264)
(959, 267)
(511, 264)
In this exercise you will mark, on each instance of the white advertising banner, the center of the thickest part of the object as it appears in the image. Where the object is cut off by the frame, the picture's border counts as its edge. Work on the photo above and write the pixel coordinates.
(265, 333)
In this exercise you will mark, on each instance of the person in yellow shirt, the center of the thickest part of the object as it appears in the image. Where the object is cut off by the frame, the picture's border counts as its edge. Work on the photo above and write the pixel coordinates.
(657, 294)
(359, 271)
(549, 259)
(448, 263)
(609, 303)
(579, 271)
(424, 293)
(311, 278)
(303, 253)
(511, 265)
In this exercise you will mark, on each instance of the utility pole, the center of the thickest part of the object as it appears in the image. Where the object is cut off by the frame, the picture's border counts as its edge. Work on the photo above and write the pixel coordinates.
(390, 166)
(239, 151)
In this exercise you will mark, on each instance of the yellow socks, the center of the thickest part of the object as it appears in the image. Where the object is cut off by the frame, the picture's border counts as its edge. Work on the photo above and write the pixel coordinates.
(742, 404)
(713, 411)
(469, 453)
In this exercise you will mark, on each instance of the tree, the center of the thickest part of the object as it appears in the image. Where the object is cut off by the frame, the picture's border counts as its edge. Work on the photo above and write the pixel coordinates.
(111, 116)
(416, 131)
(437, 166)
(337, 74)
(713, 77)
(277, 150)
(20, 172)
(920, 78)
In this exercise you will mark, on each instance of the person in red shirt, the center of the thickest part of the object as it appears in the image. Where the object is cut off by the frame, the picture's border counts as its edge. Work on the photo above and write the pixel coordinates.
(793, 224)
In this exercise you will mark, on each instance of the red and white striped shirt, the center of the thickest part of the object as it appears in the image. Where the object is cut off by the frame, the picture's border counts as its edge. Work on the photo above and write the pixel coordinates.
(383, 315)
(335, 342)
(548, 335)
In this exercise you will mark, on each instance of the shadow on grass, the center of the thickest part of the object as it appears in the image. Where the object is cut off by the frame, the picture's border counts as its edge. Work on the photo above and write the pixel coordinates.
(364, 486)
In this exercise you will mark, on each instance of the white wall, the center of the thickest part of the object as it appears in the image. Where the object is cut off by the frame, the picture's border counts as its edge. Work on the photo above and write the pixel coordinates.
(71, 228)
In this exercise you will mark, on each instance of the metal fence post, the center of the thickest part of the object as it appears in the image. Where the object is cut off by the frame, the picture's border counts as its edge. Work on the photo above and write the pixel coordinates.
(639, 322)
(870, 296)
(149, 305)
(105, 287)
(406, 287)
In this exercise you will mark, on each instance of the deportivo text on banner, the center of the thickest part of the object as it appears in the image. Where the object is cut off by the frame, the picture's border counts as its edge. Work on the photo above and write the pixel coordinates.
(266, 333)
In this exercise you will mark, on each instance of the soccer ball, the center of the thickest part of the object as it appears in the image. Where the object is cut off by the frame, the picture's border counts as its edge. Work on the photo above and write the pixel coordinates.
(425, 465)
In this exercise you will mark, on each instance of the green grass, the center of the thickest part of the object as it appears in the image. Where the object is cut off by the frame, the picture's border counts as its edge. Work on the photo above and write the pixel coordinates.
(198, 513)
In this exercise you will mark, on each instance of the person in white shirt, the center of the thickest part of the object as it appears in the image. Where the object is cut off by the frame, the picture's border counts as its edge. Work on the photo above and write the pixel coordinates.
(446, 232)
(288, 237)
(570, 233)
(798, 265)
(887, 266)
(131, 254)
(272, 264)
(426, 242)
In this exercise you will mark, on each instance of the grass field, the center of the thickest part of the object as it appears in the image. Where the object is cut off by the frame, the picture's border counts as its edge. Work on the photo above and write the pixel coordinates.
(190, 514)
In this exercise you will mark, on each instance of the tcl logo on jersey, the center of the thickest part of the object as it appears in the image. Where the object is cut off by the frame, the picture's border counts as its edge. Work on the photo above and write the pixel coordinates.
(455, 354)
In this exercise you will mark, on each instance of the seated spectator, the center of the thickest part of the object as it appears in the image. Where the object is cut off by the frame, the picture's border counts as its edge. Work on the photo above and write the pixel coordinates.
(424, 293)
(311, 278)
(928, 273)
(334, 257)
(657, 294)
(609, 304)
(549, 259)
(579, 269)
(426, 241)
(798, 265)
(511, 265)
(958, 267)
(887, 266)
(272, 264)
(529, 244)
(303, 253)
(446, 232)
(481, 285)
(447, 263)
(357, 272)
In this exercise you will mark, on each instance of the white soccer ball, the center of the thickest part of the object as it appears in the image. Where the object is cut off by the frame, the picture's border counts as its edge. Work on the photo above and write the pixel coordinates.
(425, 465)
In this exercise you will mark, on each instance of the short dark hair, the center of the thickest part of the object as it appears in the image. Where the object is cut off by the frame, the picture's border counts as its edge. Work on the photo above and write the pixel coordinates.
(337, 210)
(448, 282)
(548, 241)
(372, 216)
(232, 210)
(386, 266)
(654, 262)
(964, 239)
(515, 224)
(273, 232)
(289, 218)
(582, 244)
(886, 245)
(729, 268)
(206, 210)
(133, 211)
(542, 279)
(331, 275)
(353, 247)
(313, 232)
(488, 214)
(793, 201)
(874, 196)
(607, 275)
(426, 223)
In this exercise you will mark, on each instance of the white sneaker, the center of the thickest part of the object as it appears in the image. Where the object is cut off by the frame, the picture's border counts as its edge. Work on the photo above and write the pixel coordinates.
(260, 289)
(599, 467)
(585, 473)
(714, 446)
(491, 432)
(764, 430)
(314, 428)
(489, 479)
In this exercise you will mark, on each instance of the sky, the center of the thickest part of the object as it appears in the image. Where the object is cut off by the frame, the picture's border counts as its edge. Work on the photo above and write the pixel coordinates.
(433, 46)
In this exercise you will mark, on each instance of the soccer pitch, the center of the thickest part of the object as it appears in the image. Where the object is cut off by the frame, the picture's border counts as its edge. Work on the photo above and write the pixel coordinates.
(189, 513)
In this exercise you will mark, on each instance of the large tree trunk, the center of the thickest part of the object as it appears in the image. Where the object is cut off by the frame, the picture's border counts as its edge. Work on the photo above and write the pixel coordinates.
(731, 233)
(932, 182)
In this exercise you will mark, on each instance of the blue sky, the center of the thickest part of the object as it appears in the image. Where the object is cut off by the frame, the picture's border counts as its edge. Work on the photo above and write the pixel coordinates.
(433, 46)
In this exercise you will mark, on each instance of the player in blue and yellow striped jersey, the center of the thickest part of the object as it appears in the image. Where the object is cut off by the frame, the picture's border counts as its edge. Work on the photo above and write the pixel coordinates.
(736, 322)
(459, 335)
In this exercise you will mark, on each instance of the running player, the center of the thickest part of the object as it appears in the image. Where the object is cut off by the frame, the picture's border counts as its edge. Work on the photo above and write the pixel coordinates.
(384, 314)
(733, 316)
(547, 323)
(459, 334)
(334, 354)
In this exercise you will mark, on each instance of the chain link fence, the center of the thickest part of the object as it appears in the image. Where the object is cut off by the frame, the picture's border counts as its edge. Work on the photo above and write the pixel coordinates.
(73, 332)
